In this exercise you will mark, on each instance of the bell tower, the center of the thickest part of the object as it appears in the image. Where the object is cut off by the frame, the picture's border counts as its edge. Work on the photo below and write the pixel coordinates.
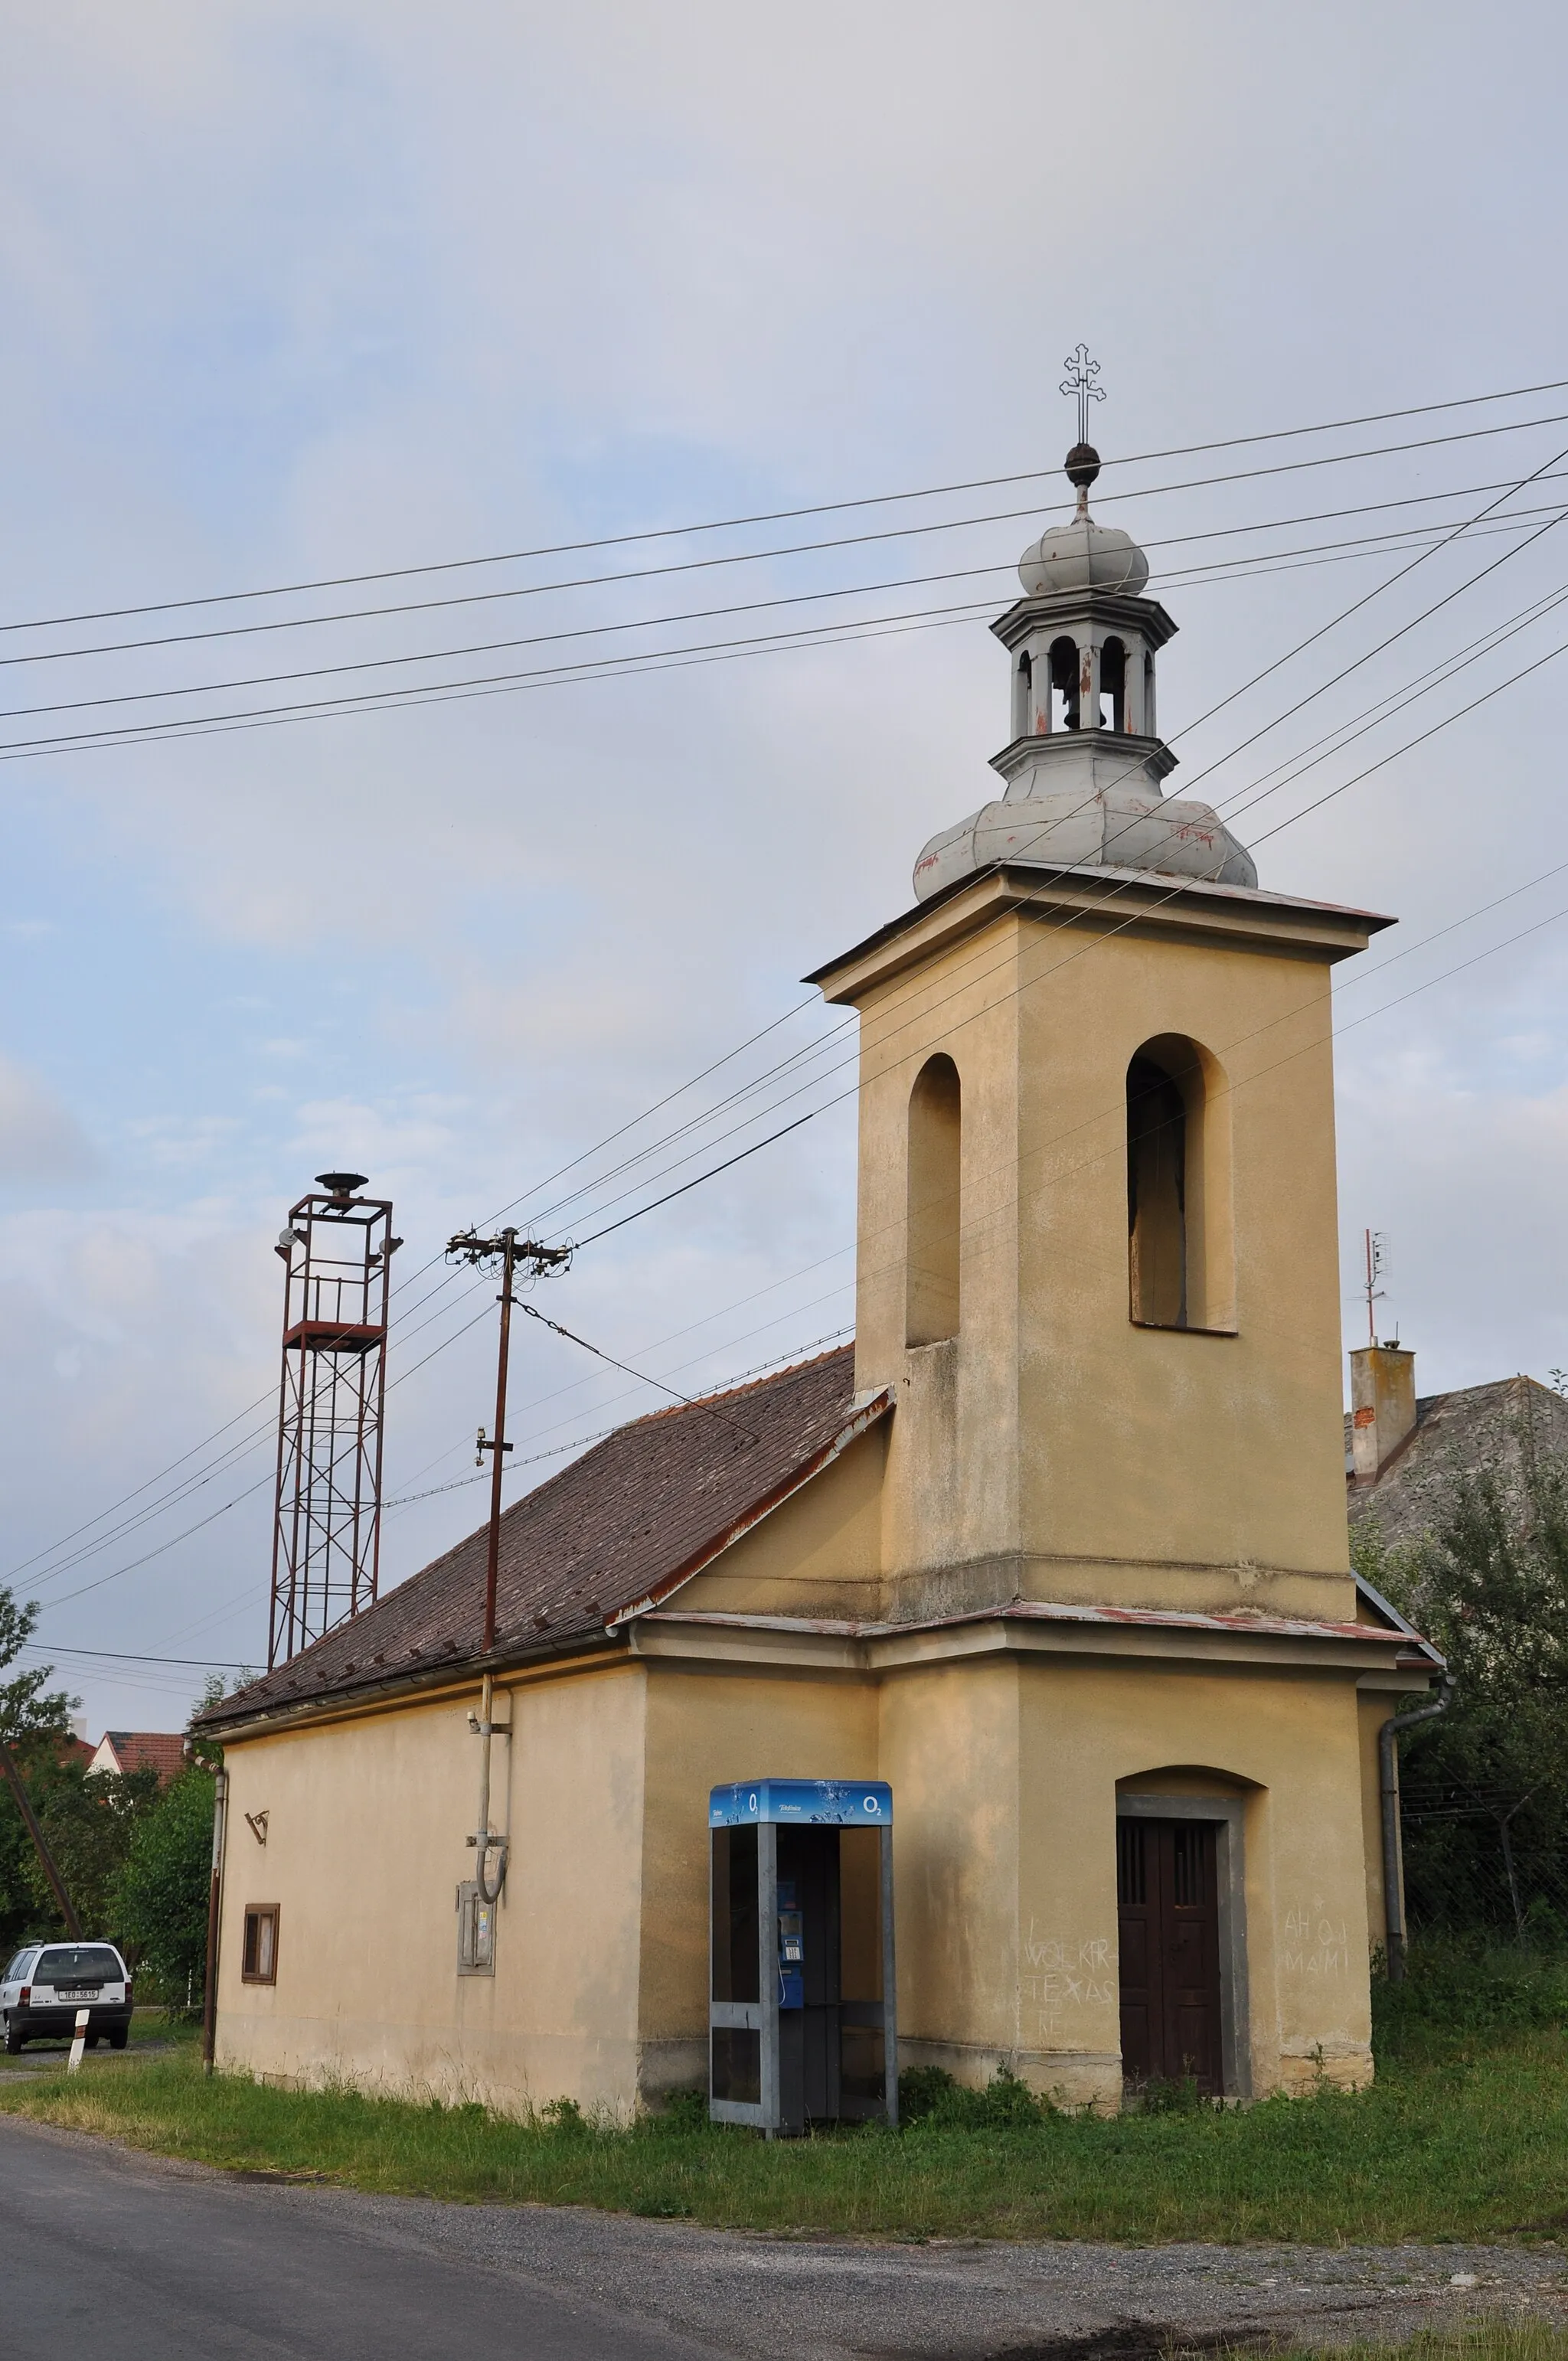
(1097, 1225)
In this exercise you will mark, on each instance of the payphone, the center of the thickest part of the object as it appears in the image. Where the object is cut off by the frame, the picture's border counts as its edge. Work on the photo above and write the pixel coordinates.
(802, 2004)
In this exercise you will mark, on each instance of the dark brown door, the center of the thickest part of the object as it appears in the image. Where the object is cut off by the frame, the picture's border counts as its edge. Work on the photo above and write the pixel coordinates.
(1169, 1928)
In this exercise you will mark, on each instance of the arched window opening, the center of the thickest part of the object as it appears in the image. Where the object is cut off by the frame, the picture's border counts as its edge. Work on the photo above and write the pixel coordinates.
(1024, 697)
(1157, 1195)
(935, 1129)
(1149, 730)
(1113, 681)
(1181, 1254)
(1064, 684)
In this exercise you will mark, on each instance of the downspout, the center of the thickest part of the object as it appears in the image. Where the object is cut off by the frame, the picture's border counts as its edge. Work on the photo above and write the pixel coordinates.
(30, 1820)
(1393, 1901)
(483, 1840)
(214, 1913)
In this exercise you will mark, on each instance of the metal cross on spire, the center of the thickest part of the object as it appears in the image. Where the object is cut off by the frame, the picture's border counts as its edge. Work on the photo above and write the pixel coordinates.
(1081, 373)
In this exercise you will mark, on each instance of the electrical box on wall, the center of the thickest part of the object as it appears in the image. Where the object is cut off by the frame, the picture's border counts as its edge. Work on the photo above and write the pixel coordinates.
(803, 2021)
(476, 1933)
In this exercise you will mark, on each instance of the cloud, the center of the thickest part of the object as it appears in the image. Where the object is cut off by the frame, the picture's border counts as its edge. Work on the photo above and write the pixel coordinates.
(40, 1140)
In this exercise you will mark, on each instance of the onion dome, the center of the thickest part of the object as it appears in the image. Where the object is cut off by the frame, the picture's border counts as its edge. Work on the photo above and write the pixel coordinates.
(1081, 555)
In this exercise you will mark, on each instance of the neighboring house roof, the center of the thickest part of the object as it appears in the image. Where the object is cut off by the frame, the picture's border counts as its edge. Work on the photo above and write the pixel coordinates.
(162, 1750)
(621, 1528)
(1473, 1429)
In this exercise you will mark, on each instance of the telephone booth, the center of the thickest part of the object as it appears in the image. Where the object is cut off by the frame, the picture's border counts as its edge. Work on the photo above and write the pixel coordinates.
(801, 2017)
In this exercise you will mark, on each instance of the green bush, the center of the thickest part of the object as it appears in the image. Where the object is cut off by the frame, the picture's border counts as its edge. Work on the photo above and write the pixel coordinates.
(683, 2111)
(928, 2094)
(1180, 2096)
(1459, 1984)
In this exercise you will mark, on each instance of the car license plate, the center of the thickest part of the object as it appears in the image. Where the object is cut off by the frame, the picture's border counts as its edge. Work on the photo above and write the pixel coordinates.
(77, 1992)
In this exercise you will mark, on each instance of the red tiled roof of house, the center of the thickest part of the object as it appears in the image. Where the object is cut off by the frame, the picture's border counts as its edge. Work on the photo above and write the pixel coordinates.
(162, 1750)
(625, 1523)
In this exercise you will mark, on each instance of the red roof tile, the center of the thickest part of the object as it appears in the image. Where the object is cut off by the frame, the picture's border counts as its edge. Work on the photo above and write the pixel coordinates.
(626, 1523)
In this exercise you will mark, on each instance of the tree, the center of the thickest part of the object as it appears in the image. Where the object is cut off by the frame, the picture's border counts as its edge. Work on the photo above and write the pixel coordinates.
(1486, 1787)
(35, 1726)
(87, 1820)
(161, 1900)
(30, 1713)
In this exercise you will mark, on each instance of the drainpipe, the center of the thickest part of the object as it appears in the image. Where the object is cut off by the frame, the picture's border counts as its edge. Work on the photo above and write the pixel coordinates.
(214, 1912)
(1393, 1901)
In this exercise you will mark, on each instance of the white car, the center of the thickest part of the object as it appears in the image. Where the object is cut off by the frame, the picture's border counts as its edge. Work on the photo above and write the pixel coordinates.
(45, 1983)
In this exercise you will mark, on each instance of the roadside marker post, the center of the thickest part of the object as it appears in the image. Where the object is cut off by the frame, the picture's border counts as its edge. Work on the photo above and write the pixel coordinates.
(79, 2043)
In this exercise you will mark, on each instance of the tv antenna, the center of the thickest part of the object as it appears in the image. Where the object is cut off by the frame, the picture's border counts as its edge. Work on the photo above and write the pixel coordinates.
(1376, 1251)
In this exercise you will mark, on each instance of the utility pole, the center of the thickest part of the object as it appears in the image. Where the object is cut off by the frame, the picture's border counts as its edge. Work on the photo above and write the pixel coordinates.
(24, 1806)
(512, 1254)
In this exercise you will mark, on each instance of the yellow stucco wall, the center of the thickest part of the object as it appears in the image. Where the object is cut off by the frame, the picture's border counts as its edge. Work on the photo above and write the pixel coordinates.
(1054, 1446)
(819, 1552)
(1005, 1770)
(366, 1819)
(1006, 1778)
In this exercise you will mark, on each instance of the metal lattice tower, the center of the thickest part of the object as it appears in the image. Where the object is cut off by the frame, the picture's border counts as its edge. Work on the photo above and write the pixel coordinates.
(326, 1535)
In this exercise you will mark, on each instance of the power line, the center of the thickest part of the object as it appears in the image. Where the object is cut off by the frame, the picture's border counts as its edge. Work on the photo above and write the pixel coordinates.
(1334, 1032)
(839, 1099)
(161, 1507)
(1354, 609)
(129, 1657)
(1302, 767)
(1273, 561)
(781, 516)
(727, 1162)
(358, 703)
(647, 1208)
(698, 564)
(1415, 991)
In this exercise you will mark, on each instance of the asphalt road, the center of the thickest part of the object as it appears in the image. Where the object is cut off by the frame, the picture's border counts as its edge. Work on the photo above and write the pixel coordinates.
(104, 2252)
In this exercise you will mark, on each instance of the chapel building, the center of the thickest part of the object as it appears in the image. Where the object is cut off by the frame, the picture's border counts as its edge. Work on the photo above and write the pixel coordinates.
(1058, 1550)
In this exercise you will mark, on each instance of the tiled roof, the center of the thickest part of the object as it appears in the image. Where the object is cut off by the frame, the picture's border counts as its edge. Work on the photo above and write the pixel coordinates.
(1458, 1433)
(162, 1750)
(623, 1525)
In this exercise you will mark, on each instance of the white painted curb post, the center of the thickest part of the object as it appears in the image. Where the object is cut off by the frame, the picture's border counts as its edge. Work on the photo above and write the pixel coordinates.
(79, 2043)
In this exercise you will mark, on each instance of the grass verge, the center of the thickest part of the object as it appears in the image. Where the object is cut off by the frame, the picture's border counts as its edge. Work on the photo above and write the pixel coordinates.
(1491, 2337)
(1469, 2145)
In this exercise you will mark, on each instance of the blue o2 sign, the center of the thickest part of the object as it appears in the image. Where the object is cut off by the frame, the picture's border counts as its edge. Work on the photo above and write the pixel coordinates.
(811, 1803)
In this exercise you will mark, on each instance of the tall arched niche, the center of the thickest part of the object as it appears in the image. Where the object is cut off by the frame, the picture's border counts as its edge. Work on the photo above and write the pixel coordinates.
(1181, 1224)
(934, 1203)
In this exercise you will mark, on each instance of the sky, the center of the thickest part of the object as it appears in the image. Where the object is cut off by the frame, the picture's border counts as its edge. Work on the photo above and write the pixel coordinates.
(292, 293)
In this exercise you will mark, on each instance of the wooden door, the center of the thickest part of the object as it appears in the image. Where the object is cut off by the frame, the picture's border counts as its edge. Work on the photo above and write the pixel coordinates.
(1169, 1928)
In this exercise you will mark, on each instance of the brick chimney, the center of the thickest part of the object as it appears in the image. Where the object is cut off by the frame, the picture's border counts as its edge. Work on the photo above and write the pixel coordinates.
(1382, 1405)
